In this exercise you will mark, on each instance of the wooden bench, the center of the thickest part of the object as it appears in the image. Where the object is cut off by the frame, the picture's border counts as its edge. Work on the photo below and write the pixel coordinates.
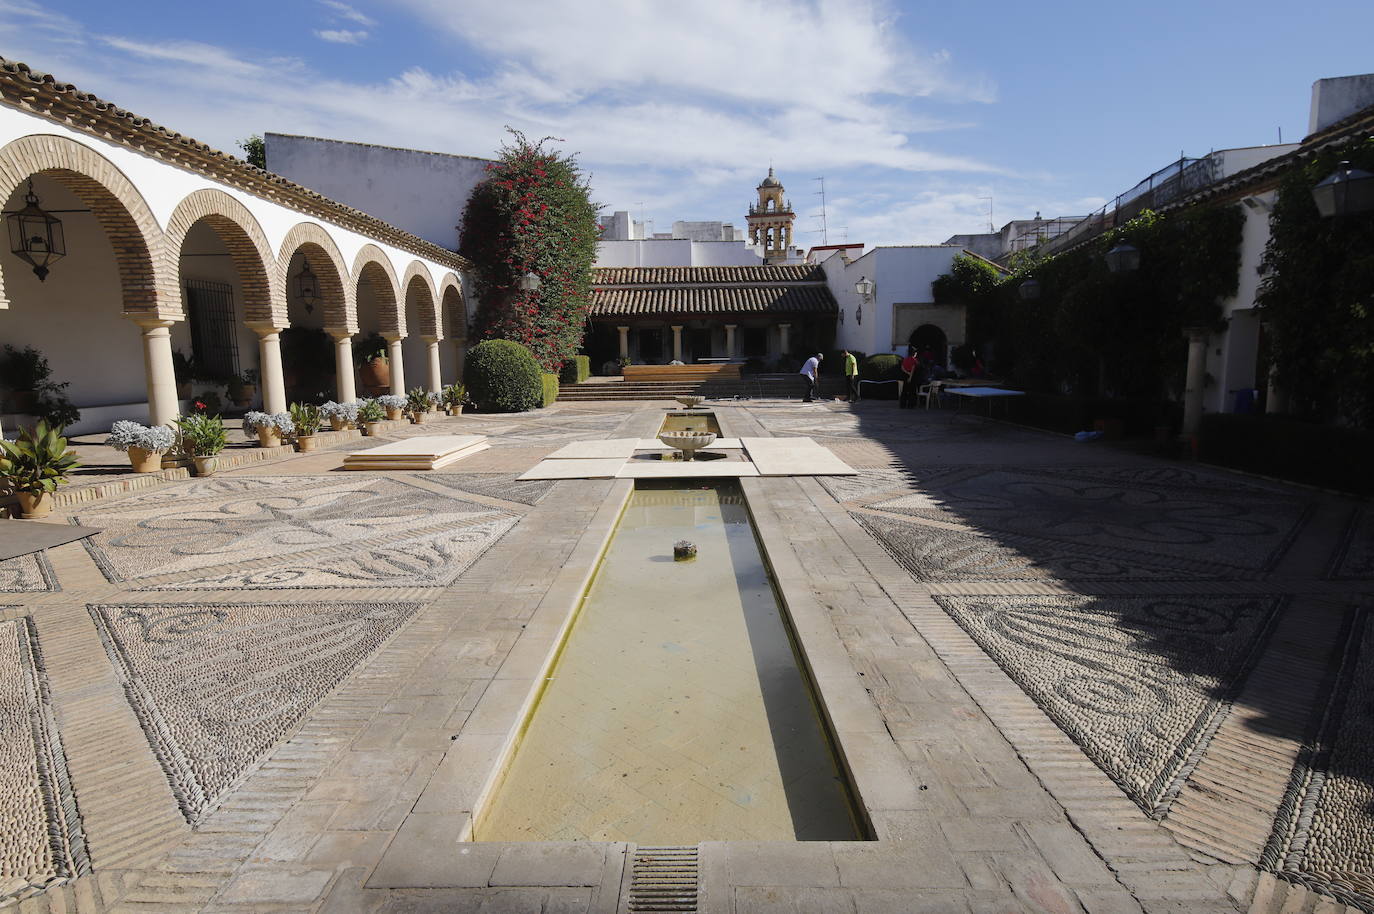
(686, 374)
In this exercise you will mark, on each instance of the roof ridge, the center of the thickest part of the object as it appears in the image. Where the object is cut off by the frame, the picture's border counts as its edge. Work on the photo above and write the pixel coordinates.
(328, 139)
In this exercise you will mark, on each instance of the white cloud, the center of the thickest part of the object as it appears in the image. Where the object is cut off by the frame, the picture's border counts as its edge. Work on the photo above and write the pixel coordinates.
(341, 36)
(346, 12)
(681, 106)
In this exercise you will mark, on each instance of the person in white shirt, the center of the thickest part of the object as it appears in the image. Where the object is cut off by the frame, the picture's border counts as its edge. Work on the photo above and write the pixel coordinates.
(810, 370)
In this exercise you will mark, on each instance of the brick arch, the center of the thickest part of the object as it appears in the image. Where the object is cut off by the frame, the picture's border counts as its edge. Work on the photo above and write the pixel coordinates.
(374, 267)
(419, 287)
(320, 251)
(264, 295)
(453, 308)
(120, 209)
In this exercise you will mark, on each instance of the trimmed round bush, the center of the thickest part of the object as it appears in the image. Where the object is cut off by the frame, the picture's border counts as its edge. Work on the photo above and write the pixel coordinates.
(503, 377)
(881, 367)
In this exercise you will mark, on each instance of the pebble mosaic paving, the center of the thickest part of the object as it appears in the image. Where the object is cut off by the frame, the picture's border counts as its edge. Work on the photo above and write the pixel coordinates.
(303, 531)
(41, 841)
(1138, 682)
(1325, 835)
(1355, 560)
(30, 573)
(216, 685)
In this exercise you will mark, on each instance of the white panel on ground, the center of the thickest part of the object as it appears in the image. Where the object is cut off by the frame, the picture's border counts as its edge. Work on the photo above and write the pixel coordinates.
(575, 468)
(794, 457)
(607, 449)
(426, 452)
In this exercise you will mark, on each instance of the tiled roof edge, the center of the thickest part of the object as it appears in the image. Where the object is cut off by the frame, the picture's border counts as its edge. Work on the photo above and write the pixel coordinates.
(40, 93)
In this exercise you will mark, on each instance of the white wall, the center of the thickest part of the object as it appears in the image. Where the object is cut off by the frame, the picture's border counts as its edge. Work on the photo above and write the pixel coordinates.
(1337, 98)
(900, 275)
(1233, 161)
(422, 192)
(675, 252)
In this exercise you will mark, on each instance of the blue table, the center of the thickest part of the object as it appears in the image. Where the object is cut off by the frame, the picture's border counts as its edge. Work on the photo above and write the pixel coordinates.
(984, 393)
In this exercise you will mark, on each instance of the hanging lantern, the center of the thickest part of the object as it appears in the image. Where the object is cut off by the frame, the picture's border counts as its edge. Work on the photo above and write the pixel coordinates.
(529, 283)
(35, 235)
(1124, 258)
(1344, 192)
(307, 287)
(1029, 290)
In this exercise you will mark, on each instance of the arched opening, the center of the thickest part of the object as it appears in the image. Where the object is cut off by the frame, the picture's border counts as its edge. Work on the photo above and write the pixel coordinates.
(931, 344)
(307, 350)
(421, 326)
(77, 319)
(377, 315)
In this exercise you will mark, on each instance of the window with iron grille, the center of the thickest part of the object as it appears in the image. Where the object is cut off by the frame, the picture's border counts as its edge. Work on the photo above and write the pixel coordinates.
(755, 341)
(214, 332)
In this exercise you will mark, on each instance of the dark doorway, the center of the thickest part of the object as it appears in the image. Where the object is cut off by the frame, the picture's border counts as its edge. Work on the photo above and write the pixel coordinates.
(214, 332)
(651, 346)
(699, 344)
(929, 340)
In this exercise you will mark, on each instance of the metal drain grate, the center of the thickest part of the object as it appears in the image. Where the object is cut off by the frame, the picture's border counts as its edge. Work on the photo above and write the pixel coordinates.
(663, 879)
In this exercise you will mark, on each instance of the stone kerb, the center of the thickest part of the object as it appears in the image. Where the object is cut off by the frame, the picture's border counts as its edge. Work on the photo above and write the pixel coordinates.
(339, 294)
(129, 225)
(264, 290)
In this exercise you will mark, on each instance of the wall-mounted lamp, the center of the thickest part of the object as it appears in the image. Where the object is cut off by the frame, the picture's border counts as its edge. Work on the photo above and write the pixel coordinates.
(1344, 192)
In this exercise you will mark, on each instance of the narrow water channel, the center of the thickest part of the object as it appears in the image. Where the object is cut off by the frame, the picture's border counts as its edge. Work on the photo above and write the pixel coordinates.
(677, 712)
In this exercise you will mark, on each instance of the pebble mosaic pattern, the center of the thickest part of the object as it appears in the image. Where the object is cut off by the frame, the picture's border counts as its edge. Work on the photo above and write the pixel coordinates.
(41, 840)
(30, 573)
(495, 485)
(1355, 557)
(215, 686)
(1324, 836)
(317, 531)
(1139, 682)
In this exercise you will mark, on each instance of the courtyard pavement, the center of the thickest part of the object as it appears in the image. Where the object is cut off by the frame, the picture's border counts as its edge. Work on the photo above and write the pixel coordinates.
(1079, 678)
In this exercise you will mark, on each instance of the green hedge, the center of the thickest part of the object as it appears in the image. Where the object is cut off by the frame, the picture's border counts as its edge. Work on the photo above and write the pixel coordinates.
(550, 389)
(502, 377)
(576, 370)
(881, 367)
(1321, 455)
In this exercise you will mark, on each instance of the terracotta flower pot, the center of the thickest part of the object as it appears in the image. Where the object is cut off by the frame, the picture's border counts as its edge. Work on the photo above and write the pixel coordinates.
(375, 376)
(268, 437)
(245, 395)
(417, 418)
(33, 505)
(395, 415)
(206, 465)
(305, 443)
(338, 424)
(455, 410)
(372, 429)
(144, 460)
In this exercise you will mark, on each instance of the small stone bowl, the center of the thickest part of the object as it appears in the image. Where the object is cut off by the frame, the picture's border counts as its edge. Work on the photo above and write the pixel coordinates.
(687, 442)
(690, 402)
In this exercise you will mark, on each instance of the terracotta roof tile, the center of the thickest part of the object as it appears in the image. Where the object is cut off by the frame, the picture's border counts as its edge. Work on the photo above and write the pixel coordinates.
(712, 300)
(641, 276)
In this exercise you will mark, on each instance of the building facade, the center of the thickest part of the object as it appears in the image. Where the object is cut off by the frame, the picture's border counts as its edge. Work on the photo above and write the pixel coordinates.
(174, 246)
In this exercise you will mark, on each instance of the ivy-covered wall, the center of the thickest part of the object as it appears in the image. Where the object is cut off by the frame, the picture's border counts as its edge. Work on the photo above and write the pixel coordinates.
(1318, 297)
(1095, 333)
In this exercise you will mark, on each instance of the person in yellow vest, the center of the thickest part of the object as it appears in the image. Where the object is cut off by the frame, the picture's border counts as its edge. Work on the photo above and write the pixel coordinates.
(851, 375)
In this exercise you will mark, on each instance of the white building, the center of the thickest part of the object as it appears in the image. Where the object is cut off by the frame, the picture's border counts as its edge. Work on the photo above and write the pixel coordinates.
(173, 245)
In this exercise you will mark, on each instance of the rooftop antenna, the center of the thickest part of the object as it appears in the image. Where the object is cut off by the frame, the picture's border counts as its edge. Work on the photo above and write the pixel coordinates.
(844, 233)
(989, 199)
(825, 230)
(1280, 134)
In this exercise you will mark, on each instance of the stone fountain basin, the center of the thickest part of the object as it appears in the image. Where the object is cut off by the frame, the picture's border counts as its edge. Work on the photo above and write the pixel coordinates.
(687, 442)
(690, 402)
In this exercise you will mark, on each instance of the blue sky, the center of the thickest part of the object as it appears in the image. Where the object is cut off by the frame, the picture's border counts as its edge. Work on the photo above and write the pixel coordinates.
(915, 113)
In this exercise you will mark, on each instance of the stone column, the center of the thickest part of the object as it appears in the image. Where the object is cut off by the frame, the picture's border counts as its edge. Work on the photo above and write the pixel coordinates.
(436, 380)
(397, 360)
(624, 342)
(163, 406)
(1196, 380)
(677, 342)
(730, 341)
(269, 355)
(344, 388)
(784, 341)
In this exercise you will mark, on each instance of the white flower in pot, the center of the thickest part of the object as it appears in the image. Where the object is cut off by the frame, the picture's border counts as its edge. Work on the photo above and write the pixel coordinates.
(145, 445)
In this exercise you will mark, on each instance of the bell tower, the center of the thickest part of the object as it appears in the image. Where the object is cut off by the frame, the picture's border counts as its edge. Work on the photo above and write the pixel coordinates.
(770, 221)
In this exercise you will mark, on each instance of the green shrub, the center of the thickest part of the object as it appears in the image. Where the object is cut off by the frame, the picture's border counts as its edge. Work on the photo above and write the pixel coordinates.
(550, 391)
(502, 377)
(1322, 455)
(576, 370)
(834, 362)
(881, 367)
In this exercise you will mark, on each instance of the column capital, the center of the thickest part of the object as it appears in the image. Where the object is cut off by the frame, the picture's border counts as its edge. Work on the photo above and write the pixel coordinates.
(731, 326)
(782, 326)
(1197, 334)
(392, 336)
(431, 339)
(677, 328)
(339, 334)
(264, 328)
(152, 323)
(623, 328)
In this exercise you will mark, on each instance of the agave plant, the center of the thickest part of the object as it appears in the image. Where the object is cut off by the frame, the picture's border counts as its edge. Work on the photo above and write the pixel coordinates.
(202, 435)
(418, 401)
(371, 411)
(306, 417)
(38, 462)
(455, 394)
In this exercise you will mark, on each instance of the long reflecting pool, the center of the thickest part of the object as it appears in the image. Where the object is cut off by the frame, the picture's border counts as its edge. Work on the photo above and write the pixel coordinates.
(677, 711)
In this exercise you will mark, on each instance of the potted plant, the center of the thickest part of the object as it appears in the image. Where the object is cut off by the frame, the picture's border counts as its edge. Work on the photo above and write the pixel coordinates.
(340, 415)
(271, 428)
(243, 387)
(370, 416)
(453, 396)
(203, 437)
(374, 372)
(418, 404)
(34, 466)
(306, 418)
(394, 404)
(144, 445)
